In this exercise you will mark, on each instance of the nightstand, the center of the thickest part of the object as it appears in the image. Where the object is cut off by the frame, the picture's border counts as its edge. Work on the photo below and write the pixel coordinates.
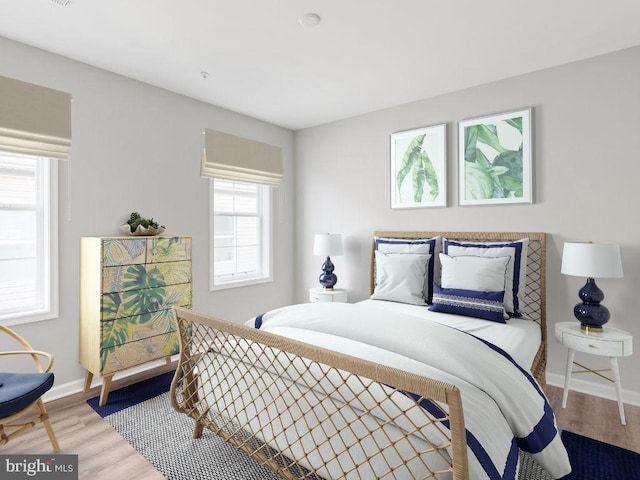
(319, 294)
(610, 342)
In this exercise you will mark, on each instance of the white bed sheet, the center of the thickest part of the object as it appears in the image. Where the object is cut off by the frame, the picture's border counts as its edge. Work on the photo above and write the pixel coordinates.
(519, 337)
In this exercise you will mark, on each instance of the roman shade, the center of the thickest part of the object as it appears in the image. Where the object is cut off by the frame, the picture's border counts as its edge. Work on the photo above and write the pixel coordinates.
(238, 159)
(34, 120)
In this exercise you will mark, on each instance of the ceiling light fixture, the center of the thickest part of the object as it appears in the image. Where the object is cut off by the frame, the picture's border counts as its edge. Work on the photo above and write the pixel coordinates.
(64, 3)
(204, 75)
(310, 20)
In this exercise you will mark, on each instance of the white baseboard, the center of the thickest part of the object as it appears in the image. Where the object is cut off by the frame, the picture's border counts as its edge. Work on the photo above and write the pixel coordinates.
(594, 388)
(77, 386)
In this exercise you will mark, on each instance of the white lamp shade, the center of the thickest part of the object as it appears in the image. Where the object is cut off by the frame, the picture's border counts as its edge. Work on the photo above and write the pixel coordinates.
(327, 244)
(592, 260)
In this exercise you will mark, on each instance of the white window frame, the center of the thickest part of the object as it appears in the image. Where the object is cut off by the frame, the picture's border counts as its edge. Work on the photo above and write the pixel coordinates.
(266, 228)
(46, 245)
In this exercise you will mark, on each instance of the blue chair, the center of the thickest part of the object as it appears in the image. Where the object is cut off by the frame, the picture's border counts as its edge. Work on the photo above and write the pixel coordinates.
(22, 392)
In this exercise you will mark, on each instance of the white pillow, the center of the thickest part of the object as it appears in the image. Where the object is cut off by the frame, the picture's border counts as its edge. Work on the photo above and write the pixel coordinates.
(400, 277)
(421, 246)
(516, 269)
(415, 248)
(474, 273)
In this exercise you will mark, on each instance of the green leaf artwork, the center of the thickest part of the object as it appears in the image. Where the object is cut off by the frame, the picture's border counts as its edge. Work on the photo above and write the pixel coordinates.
(493, 159)
(416, 179)
(417, 162)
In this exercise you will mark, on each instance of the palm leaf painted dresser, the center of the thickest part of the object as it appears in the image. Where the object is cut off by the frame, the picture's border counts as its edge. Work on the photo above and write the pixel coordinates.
(128, 286)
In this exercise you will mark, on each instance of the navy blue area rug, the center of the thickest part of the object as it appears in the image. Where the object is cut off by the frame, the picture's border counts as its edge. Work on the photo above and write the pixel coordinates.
(165, 443)
(594, 460)
(133, 394)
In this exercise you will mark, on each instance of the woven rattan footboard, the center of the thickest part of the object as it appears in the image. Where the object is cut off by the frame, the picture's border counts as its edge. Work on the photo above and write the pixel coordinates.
(307, 413)
(230, 380)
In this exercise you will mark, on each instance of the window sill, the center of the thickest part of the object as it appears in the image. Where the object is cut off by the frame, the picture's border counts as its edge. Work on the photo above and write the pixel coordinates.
(18, 319)
(240, 283)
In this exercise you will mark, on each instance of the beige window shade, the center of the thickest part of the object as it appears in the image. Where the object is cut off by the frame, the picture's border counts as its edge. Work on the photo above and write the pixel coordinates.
(34, 120)
(237, 159)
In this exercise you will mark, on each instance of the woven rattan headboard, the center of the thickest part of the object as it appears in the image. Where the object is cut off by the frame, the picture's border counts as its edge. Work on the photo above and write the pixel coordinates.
(535, 293)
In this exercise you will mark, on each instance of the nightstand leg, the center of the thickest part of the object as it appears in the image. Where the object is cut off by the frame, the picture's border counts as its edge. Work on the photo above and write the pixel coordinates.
(616, 379)
(567, 376)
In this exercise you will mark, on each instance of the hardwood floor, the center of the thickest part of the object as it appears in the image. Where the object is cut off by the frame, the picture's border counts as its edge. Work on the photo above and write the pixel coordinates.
(104, 455)
(597, 418)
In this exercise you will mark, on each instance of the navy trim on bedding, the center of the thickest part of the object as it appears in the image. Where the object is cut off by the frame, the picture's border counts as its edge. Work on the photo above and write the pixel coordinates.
(540, 437)
(545, 430)
(472, 442)
(542, 434)
(258, 321)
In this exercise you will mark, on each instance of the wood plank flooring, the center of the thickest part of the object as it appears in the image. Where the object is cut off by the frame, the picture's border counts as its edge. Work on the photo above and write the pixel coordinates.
(105, 455)
(597, 418)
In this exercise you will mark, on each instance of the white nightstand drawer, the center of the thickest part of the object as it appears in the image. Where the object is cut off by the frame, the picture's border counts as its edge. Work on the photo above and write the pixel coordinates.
(315, 298)
(595, 345)
(317, 295)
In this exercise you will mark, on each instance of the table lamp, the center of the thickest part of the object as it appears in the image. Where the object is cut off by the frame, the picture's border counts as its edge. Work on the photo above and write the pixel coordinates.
(591, 260)
(327, 244)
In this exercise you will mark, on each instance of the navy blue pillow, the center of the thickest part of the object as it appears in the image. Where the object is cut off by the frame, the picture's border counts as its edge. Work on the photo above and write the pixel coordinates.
(470, 303)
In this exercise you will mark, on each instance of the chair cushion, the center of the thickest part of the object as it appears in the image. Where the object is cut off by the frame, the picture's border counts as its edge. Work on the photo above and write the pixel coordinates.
(19, 390)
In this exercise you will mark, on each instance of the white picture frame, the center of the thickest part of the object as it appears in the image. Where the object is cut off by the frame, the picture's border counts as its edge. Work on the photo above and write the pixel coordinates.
(495, 159)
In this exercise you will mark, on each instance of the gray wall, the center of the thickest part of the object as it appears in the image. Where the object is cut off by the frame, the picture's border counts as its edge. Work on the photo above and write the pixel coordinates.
(586, 171)
(137, 148)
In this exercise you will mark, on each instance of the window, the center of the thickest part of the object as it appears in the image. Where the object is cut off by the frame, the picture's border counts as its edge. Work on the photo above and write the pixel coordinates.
(240, 234)
(28, 239)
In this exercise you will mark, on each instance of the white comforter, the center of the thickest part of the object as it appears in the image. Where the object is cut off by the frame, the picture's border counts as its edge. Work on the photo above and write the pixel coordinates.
(504, 406)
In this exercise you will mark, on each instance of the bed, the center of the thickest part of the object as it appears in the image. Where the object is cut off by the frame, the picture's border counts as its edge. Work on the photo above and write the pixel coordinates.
(389, 387)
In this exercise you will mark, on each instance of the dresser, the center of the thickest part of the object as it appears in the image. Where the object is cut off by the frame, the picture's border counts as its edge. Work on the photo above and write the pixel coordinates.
(128, 286)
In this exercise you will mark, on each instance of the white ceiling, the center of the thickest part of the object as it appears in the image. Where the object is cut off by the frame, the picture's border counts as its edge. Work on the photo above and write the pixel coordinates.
(365, 55)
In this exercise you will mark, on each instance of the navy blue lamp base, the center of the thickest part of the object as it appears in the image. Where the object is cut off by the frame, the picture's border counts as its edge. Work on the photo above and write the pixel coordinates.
(327, 278)
(590, 313)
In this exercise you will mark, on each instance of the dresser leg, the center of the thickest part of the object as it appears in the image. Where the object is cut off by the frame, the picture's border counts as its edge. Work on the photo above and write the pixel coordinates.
(104, 391)
(567, 376)
(616, 380)
(87, 381)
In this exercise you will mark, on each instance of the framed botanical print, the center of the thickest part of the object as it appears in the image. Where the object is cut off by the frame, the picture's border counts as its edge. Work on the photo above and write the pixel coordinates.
(495, 155)
(419, 167)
